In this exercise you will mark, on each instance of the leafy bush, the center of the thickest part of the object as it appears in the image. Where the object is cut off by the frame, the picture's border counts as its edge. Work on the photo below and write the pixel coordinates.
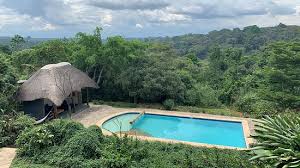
(169, 104)
(246, 102)
(63, 143)
(25, 163)
(12, 126)
(84, 144)
(32, 142)
(203, 96)
(8, 80)
(122, 152)
(63, 130)
(278, 140)
(179, 155)
(251, 104)
(81, 150)
(264, 107)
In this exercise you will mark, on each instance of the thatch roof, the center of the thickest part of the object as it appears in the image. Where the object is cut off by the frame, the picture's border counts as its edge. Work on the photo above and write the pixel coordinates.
(54, 82)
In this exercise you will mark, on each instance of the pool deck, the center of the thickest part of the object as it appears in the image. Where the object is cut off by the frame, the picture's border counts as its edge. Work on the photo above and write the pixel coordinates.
(6, 156)
(98, 114)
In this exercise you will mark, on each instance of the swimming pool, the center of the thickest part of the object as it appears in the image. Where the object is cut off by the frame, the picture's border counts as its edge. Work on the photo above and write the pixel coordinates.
(214, 132)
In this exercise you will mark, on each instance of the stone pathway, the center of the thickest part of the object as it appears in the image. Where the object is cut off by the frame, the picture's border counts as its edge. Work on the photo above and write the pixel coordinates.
(6, 156)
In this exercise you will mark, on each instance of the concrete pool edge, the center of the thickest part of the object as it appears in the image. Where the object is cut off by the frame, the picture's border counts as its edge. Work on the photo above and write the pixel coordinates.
(244, 121)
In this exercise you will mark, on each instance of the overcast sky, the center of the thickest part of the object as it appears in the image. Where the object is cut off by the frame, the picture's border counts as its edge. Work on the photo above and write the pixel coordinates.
(140, 18)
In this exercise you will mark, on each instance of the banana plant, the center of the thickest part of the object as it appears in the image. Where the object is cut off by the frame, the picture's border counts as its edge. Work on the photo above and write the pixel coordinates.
(278, 140)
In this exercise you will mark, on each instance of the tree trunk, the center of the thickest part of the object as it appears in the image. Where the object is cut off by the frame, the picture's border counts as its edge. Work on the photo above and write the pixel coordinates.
(94, 76)
(135, 99)
(100, 75)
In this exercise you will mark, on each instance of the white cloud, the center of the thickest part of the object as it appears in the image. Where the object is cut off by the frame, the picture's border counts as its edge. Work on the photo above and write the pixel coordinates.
(139, 26)
(231, 8)
(159, 17)
(289, 20)
(297, 10)
(106, 20)
(43, 26)
(128, 5)
(163, 16)
(10, 17)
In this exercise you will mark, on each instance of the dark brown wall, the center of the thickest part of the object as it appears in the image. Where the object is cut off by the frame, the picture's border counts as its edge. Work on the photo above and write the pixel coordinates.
(34, 108)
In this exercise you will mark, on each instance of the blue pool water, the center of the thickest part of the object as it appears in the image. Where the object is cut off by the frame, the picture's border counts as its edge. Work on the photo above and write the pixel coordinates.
(214, 132)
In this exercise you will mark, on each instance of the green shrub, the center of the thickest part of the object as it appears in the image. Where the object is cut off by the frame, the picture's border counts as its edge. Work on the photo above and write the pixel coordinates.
(63, 129)
(63, 143)
(264, 107)
(115, 160)
(97, 131)
(123, 152)
(97, 163)
(84, 144)
(8, 80)
(246, 102)
(251, 104)
(25, 163)
(169, 104)
(31, 142)
(203, 96)
(12, 126)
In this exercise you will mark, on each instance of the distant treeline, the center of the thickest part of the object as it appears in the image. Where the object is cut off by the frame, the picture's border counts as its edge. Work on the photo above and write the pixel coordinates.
(249, 39)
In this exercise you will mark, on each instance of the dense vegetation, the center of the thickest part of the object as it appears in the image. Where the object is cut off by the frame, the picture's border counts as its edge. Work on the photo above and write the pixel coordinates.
(63, 143)
(256, 83)
(12, 126)
(7, 84)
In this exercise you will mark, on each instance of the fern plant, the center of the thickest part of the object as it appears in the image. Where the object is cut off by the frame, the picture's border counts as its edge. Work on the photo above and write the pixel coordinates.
(278, 140)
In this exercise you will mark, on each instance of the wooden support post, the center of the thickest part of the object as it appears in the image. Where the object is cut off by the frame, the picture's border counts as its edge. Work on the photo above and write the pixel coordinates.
(73, 94)
(55, 111)
(87, 96)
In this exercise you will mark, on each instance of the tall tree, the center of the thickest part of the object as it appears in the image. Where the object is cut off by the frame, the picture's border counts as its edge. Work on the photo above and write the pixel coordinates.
(282, 74)
(17, 42)
(7, 85)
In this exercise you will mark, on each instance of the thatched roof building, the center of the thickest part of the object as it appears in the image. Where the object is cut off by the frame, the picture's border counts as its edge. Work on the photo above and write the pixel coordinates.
(55, 83)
